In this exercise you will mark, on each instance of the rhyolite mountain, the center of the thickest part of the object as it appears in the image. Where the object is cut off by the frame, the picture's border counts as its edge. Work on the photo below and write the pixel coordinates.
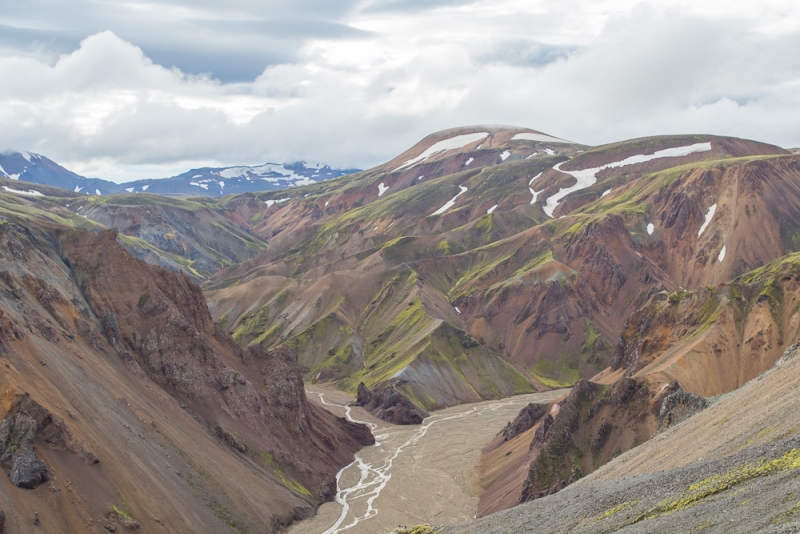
(125, 407)
(482, 262)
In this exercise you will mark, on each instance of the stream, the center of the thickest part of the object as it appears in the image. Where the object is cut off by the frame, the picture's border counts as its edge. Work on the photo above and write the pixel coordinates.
(413, 474)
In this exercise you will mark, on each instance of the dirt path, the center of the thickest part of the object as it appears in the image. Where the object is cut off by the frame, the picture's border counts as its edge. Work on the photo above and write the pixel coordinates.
(414, 474)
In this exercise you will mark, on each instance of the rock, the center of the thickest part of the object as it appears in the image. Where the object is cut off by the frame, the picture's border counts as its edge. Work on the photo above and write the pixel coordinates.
(678, 407)
(111, 327)
(2, 522)
(27, 471)
(526, 418)
(390, 405)
(36, 519)
(16, 452)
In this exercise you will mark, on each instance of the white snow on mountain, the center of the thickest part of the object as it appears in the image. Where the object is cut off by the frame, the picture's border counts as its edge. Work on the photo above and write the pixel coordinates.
(450, 202)
(528, 136)
(453, 143)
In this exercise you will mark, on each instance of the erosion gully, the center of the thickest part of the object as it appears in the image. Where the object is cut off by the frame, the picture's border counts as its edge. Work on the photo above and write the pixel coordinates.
(413, 474)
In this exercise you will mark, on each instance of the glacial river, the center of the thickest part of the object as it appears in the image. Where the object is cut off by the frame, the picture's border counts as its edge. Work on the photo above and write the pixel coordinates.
(413, 474)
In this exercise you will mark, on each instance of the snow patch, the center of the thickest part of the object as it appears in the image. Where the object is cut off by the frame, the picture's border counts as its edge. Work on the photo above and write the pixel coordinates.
(504, 155)
(97, 192)
(129, 189)
(382, 189)
(145, 187)
(535, 194)
(607, 191)
(326, 202)
(721, 254)
(14, 176)
(587, 177)
(529, 157)
(77, 189)
(459, 141)
(457, 310)
(710, 215)
(550, 151)
(450, 202)
(470, 160)
(537, 137)
(534, 178)
(491, 210)
(30, 192)
(198, 184)
(650, 229)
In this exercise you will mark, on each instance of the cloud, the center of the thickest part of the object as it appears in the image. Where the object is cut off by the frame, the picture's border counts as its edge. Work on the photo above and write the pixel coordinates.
(524, 53)
(359, 83)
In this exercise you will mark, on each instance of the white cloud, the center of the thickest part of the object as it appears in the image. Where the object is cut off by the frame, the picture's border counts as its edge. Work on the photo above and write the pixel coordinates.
(589, 71)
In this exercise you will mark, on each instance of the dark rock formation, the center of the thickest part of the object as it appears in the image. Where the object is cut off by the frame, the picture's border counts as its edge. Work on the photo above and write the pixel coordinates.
(678, 407)
(526, 418)
(16, 452)
(390, 405)
(2, 522)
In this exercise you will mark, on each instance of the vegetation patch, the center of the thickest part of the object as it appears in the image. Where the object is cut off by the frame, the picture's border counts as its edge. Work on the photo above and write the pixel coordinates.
(719, 483)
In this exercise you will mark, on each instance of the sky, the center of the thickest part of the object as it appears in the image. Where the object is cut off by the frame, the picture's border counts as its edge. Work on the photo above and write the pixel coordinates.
(131, 89)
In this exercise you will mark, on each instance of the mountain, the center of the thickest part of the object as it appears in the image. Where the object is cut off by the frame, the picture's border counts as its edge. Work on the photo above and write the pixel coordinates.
(455, 284)
(656, 277)
(38, 169)
(210, 182)
(216, 182)
(129, 408)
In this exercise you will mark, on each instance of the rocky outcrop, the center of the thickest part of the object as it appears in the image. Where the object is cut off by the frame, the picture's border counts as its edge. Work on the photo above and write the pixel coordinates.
(590, 426)
(24, 468)
(525, 420)
(679, 406)
(25, 422)
(390, 405)
(2, 522)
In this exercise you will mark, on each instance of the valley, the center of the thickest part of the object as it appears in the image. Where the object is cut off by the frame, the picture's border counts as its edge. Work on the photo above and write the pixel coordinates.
(603, 301)
(414, 474)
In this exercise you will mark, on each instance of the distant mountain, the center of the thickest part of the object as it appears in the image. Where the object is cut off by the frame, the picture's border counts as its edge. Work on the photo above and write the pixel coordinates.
(216, 182)
(37, 169)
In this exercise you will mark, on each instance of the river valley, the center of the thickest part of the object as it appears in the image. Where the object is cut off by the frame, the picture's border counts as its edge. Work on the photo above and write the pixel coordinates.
(413, 474)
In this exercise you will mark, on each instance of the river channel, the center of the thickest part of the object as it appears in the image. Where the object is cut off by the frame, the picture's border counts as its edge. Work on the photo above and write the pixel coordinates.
(413, 474)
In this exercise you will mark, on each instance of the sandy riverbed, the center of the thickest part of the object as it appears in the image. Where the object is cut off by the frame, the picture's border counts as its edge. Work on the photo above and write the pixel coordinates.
(415, 474)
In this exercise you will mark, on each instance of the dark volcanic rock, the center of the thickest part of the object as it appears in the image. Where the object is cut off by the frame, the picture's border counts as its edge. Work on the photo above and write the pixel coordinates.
(526, 418)
(2, 522)
(16, 452)
(390, 405)
(678, 407)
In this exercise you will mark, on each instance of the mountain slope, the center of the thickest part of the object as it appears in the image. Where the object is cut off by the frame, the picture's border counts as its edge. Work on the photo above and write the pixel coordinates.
(143, 411)
(549, 296)
(38, 169)
(219, 181)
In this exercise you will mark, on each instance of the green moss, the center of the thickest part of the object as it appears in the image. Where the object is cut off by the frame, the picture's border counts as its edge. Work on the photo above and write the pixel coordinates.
(419, 529)
(716, 484)
(616, 509)
(123, 509)
(289, 482)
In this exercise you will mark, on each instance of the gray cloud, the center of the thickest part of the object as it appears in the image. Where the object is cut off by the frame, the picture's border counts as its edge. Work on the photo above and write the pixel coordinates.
(354, 88)
(524, 53)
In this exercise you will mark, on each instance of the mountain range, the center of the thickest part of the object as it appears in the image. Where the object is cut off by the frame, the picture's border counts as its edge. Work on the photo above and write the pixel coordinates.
(210, 182)
(655, 277)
